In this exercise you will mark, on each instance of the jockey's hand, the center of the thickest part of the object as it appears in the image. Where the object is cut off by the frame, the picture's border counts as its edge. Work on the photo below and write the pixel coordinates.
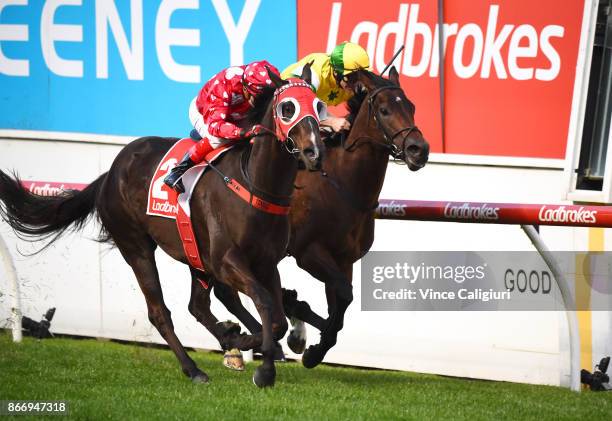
(256, 130)
(336, 123)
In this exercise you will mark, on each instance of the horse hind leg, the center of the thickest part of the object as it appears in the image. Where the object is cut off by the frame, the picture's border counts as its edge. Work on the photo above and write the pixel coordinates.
(297, 336)
(299, 312)
(143, 264)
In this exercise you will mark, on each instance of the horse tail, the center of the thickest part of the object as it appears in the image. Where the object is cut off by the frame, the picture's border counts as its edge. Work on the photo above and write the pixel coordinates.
(35, 217)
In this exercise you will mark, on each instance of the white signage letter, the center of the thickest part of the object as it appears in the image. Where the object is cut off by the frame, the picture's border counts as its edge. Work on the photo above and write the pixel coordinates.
(51, 32)
(399, 29)
(12, 67)
(236, 33)
(165, 37)
(132, 58)
(469, 70)
(334, 23)
(550, 53)
(515, 51)
(493, 45)
(417, 28)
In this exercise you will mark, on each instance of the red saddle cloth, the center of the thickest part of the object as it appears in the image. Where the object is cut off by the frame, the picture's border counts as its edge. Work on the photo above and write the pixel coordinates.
(166, 202)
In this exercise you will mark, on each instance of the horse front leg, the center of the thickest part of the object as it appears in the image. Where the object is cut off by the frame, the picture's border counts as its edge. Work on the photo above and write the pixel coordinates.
(337, 305)
(339, 292)
(236, 272)
(230, 299)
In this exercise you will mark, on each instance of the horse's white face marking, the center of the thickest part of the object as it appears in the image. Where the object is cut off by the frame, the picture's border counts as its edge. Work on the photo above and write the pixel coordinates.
(398, 99)
(313, 138)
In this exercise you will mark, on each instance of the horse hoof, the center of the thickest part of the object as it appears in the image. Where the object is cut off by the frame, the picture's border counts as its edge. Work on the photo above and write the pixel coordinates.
(233, 360)
(312, 357)
(200, 378)
(264, 377)
(296, 343)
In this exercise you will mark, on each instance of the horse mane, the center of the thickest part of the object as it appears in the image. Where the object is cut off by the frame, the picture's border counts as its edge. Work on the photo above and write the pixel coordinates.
(257, 112)
(356, 101)
(354, 104)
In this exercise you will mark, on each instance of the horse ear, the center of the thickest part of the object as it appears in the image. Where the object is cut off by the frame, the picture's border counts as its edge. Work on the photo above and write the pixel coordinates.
(394, 76)
(307, 73)
(276, 80)
(360, 88)
(360, 82)
(355, 83)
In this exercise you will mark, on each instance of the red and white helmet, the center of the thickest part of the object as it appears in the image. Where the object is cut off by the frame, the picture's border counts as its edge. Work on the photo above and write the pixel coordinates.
(255, 77)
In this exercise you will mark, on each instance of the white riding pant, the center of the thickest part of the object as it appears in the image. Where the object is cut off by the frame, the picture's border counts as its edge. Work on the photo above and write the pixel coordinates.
(197, 120)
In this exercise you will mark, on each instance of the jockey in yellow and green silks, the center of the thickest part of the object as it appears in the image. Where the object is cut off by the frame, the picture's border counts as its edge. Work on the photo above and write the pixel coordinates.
(328, 73)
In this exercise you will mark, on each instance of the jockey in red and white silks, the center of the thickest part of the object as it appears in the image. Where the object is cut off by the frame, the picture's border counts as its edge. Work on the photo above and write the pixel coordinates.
(222, 102)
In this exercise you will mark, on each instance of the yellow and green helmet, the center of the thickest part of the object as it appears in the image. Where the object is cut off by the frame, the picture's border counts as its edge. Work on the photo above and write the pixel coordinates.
(348, 57)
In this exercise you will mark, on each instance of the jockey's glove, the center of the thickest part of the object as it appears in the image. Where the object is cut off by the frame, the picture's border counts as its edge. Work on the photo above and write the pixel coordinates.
(256, 130)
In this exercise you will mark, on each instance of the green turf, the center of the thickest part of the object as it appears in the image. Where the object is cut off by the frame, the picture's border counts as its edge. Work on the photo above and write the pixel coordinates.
(102, 379)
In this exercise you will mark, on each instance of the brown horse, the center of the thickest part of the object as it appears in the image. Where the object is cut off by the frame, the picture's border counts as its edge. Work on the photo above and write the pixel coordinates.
(238, 243)
(332, 214)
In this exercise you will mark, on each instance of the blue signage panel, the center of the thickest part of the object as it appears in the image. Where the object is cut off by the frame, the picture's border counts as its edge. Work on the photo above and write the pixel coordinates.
(128, 67)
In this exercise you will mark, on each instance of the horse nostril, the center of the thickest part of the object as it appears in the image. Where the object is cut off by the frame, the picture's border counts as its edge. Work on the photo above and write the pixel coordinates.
(413, 149)
(311, 154)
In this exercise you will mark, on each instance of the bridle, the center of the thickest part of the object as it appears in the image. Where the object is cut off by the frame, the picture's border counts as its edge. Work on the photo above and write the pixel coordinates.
(281, 134)
(398, 154)
(300, 94)
(394, 151)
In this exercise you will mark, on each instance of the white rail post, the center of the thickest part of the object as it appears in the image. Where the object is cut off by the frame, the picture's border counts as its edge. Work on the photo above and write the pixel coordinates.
(568, 301)
(14, 282)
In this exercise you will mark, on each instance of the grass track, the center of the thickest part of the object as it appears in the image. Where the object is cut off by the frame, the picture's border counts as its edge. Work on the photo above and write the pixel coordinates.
(108, 380)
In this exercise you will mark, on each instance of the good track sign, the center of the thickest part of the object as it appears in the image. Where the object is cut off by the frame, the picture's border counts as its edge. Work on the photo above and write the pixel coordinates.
(509, 66)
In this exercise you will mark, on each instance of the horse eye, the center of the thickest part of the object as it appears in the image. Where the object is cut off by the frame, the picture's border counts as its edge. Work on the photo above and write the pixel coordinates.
(287, 110)
(384, 111)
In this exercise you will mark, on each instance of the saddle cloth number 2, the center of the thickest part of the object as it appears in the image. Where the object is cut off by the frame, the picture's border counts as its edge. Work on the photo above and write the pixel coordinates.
(158, 192)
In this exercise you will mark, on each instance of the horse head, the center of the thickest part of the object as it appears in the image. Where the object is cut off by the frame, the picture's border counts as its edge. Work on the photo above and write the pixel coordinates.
(297, 113)
(391, 113)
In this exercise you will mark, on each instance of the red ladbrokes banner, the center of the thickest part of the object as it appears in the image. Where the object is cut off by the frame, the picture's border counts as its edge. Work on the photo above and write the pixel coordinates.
(509, 65)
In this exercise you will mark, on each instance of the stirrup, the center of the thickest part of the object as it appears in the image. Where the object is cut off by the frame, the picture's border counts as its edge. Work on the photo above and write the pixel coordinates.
(179, 186)
(176, 185)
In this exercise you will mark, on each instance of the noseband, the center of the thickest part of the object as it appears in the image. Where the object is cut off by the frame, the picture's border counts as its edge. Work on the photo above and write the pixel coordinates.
(394, 151)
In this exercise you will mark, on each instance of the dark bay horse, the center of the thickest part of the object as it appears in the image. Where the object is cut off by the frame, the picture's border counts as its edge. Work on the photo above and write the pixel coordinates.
(239, 244)
(332, 212)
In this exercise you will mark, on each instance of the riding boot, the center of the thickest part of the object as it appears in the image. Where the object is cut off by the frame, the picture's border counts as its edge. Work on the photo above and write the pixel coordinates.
(174, 178)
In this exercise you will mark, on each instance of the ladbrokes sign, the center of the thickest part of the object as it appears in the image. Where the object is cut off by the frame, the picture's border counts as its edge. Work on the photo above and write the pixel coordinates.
(509, 65)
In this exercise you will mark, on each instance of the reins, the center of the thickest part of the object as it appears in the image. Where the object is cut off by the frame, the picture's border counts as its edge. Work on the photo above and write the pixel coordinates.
(244, 171)
(247, 194)
(251, 193)
(397, 154)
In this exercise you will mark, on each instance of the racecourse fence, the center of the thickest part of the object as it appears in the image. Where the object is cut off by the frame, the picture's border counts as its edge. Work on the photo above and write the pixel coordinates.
(528, 216)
